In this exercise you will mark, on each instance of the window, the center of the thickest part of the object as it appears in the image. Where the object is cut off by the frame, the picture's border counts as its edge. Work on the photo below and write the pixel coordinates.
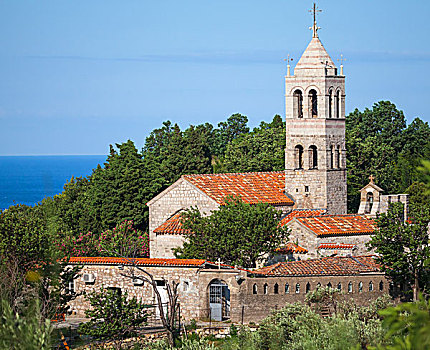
(360, 287)
(265, 289)
(306, 188)
(298, 157)
(330, 103)
(186, 285)
(329, 285)
(313, 157)
(318, 285)
(298, 288)
(276, 289)
(371, 286)
(254, 288)
(308, 287)
(313, 103)
(350, 287)
(71, 287)
(381, 286)
(339, 286)
(331, 157)
(337, 104)
(298, 104)
(287, 288)
(338, 157)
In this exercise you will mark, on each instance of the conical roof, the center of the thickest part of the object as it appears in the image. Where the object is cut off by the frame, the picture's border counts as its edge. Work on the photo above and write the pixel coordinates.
(314, 57)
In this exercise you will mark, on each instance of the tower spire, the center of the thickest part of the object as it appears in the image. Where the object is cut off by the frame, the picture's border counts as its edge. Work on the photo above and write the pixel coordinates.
(315, 28)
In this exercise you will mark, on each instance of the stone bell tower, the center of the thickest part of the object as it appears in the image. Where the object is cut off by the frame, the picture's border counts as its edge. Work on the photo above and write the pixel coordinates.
(315, 155)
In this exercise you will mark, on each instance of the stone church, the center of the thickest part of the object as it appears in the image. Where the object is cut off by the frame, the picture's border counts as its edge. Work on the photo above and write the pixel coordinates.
(311, 192)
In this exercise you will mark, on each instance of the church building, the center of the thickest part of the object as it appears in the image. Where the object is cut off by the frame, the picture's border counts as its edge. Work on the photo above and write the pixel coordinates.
(311, 192)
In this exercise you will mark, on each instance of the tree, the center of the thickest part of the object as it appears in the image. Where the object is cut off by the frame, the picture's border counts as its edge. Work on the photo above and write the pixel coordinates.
(237, 233)
(113, 315)
(261, 150)
(403, 246)
(236, 125)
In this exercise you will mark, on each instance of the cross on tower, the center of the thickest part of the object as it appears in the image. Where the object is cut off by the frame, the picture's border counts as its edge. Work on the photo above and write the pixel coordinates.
(288, 59)
(341, 59)
(315, 28)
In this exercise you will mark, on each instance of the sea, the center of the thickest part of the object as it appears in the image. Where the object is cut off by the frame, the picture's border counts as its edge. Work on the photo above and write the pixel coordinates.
(29, 179)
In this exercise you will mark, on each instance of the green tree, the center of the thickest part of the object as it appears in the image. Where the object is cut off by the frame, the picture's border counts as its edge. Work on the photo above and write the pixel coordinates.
(261, 150)
(237, 233)
(236, 125)
(113, 315)
(403, 246)
(116, 192)
(419, 193)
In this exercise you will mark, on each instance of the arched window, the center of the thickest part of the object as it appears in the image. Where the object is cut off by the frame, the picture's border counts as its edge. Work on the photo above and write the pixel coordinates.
(313, 157)
(298, 157)
(254, 288)
(265, 288)
(360, 287)
(350, 287)
(313, 103)
(330, 103)
(339, 286)
(298, 104)
(370, 286)
(298, 288)
(337, 104)
(329, 285)
(287, 288)
(369, 203)
(381, 286)
(331, 156)
(308, 287)
(318, 285)
(338, 156)
(276, 289)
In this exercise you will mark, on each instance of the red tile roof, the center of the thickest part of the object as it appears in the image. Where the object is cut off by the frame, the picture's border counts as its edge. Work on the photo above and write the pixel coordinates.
(301, 213)
(139, 261)
(173, 225)
(335, 246)
(330, 266)
(338, 224)
(291, 248)
(266, 187)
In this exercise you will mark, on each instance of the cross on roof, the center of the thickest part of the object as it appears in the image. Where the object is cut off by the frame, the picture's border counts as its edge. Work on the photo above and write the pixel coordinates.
(371, 178)
(288, 59)
(315, 28)
(341, 59)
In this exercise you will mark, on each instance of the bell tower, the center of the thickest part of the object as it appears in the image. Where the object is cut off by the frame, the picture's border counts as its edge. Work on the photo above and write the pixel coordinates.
(315, 155)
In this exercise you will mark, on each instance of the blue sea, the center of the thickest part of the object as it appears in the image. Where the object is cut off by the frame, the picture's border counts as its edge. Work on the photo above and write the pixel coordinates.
(29, 179)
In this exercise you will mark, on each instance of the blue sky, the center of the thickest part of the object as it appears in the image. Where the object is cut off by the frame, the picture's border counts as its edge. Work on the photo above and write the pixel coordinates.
(76, 76)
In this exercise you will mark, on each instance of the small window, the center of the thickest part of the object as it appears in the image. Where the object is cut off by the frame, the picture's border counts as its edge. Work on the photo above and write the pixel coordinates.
(360, 287)
(350, 287)
(339, 286)
(313, 157)
(329, 285)
(254, 288)
(308, 287)
(276, 289)
(298, 156)
(186, 285)
(381, 286)
(306, 188)
(298, 288)
(287, 288)
(265, 289)
(371, 286)
(71, 287)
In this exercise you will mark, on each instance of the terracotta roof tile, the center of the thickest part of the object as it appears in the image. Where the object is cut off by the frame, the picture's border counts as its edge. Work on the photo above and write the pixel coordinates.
(291, 248)
(301, 213)
(338, 224)
(139, 261)
(266, 187)
(335, 246)
(173, 225)
(330, 266)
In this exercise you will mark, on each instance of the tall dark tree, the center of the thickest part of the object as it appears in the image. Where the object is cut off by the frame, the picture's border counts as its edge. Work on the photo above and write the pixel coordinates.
(236, 125)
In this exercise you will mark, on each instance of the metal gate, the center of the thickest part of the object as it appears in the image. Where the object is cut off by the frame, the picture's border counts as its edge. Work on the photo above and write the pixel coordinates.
(219, 301)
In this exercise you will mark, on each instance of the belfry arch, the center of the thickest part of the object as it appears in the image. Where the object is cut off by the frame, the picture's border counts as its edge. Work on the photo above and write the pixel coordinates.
(298, 104)
(313, 103)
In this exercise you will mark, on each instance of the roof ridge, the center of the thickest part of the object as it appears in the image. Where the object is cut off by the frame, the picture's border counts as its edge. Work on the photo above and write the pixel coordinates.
(242, 173)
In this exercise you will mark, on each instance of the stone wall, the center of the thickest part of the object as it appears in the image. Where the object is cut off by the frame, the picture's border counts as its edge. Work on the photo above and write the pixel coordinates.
(181, 195)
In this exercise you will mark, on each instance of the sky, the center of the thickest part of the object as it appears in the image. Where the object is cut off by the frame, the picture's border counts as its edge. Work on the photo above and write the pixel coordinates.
(76, 76)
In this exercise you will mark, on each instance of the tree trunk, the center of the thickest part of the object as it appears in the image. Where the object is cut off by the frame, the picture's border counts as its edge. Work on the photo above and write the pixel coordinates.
(416, 286)
(170, 338)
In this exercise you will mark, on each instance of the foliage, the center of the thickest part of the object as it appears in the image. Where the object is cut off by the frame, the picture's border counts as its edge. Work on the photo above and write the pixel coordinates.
(403, 247)
(408, 325)
(123, 240)
(379, 143)
(29, 331)
(237, 233)
(113, 315)
(419, 193)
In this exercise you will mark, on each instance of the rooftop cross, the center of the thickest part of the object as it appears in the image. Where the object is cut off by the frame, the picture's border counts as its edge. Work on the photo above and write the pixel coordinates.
(371, 178)
(315, 28)
(288, 59)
